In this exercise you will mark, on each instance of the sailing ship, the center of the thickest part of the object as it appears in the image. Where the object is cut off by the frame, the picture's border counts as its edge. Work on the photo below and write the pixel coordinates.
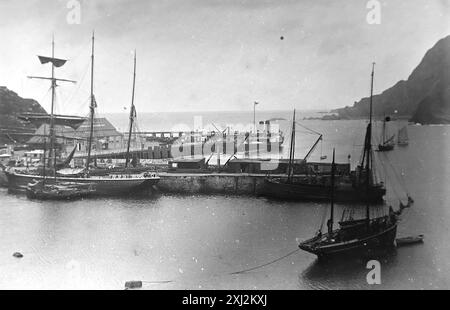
(349, 188)
(360, 236)
(387, 144)
(353, 237)
(106, 184)
(402, 136)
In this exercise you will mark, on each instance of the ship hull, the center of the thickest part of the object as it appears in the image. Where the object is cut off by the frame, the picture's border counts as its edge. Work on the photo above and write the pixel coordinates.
(278, 188)
(45, 195)
(3, 179)
(356, 247)
(102, 185)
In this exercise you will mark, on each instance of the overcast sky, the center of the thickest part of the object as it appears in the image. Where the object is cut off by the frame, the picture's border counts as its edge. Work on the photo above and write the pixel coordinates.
(217, 55)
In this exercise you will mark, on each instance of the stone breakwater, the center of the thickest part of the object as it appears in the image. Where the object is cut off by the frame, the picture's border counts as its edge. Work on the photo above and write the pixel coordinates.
(209, 183)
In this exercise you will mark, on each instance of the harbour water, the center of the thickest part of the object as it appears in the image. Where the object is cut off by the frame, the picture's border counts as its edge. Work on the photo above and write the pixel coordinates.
(197, 241)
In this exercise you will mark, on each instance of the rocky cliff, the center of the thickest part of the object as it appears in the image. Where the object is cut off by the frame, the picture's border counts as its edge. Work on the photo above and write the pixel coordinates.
(424, 97)
(11, 104)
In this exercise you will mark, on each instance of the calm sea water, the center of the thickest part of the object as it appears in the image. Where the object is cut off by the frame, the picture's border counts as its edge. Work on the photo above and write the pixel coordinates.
(197, 241)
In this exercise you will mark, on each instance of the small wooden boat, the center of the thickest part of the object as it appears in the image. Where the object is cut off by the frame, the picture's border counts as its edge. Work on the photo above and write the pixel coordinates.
(409, 240)
(59, 191)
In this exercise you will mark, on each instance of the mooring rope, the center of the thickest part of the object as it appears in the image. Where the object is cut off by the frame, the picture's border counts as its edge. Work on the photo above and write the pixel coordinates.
(266, 264)
(157, 282)
(396, 193)
(400, 179)
(134, 283)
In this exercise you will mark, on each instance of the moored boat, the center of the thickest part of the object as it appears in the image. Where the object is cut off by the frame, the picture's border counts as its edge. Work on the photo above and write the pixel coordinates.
(355, 237)
(314, 188)
(118, 182)
(349, 187)
(58, 191)
(110, 184)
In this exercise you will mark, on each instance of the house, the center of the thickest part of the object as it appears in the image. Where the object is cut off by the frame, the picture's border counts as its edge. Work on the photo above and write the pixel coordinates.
(105, 136)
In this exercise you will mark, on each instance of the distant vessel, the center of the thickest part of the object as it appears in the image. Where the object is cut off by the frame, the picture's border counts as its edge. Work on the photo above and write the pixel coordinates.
(360, 236)
(349, 188)
(106, 184)
(402, 136)
(387, 144)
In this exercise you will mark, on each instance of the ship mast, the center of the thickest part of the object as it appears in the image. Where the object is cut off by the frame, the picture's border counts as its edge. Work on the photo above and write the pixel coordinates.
(368, 147)
(44, 158)
(56, 62)
(330, 221)
(132, 113)
(291, 151)
(52, 118)
(91, 108)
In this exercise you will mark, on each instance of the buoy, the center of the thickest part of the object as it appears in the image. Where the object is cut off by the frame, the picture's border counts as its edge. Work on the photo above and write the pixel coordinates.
(133, 284)
(18, 255)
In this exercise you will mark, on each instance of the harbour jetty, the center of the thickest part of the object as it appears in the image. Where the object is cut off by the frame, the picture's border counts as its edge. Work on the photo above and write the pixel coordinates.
(211, 183)
(239, 176)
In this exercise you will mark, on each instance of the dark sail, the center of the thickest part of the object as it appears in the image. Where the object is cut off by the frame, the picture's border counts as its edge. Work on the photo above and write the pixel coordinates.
(55, 61)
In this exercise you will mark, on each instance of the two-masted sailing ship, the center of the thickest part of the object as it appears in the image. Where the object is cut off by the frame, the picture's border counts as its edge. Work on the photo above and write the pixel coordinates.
(348, 188)
(355, 237)
(47, 181)
(387, 143)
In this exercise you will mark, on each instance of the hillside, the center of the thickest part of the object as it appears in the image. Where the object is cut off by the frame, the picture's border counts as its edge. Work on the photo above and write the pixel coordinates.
(12, 104)
(424, 97)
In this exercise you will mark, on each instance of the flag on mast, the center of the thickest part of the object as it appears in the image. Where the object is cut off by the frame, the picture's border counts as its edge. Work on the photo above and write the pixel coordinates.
(55, 61)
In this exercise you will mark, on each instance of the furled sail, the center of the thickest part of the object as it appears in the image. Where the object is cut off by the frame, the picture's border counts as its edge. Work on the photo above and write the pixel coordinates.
(55, 61)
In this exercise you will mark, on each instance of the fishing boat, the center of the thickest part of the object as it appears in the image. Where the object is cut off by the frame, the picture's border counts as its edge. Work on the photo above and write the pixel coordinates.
(106, 184)
(348, 188)
(402, 136)
(387, 144)
(355, 237)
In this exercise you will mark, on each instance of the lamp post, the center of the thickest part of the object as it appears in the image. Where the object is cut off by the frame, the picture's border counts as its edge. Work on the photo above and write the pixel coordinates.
(254, 115)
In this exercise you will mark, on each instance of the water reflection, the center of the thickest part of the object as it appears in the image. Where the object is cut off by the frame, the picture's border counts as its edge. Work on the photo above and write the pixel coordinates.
(344, 272)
